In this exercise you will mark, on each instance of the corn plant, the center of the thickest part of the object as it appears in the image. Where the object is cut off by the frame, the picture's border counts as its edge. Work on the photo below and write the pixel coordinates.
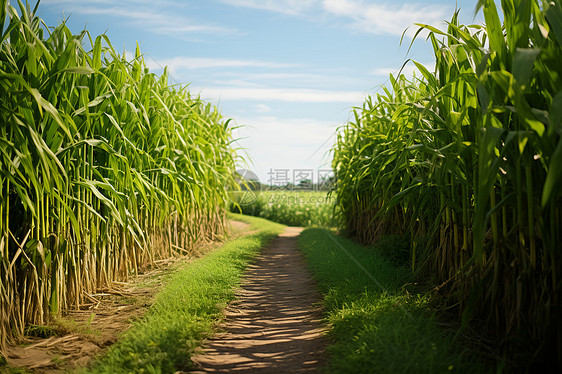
(466, 160)
(293, 208)
(105, 168)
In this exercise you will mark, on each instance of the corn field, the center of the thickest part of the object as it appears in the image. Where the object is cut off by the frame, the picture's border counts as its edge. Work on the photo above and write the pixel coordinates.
(466, 160)
(105, 168)
(292, 208)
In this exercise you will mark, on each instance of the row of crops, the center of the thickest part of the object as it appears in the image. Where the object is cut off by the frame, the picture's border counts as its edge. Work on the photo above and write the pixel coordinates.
(104, 168)
(293, 208)
(466, 161)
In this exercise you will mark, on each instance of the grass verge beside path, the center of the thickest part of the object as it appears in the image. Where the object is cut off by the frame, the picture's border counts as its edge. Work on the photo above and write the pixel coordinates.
(376, 325)
(188, 308)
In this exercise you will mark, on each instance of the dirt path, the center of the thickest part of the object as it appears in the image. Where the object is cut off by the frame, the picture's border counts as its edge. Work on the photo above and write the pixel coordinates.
(274, 324)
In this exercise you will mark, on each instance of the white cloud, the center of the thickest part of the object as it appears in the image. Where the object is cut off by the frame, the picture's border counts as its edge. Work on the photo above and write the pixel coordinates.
(236, 82)
(288, 131)
(378, 17)
(282, 94)
(301, 78)
(146, 14)
(190, 63)
(262, 108)
(385, 71)
(386, 19)
(293, 7)
(286, 143)
(408, 70)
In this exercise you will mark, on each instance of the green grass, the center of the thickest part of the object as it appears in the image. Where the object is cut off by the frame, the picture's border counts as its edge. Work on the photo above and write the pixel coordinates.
(293, 208)
(9, 370)
(377, 324)
(187, 309)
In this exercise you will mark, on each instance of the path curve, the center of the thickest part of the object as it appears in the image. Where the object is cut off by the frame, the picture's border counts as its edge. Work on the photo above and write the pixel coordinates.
(274, 325)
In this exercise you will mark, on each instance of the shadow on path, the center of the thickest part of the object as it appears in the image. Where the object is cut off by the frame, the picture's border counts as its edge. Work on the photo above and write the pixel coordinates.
(274, 325)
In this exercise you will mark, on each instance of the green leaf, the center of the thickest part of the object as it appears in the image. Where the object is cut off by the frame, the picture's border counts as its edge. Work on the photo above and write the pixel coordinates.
(106, 201)
(555, 114)
(554, 18)
(430, 77)
(488, 166)
(554, 175)
(523, 63)
(77, 70)
(522, 141)
(3, 5)
(495, 29)
(70, 213)
(31, 63)
(518, 30)
(96, 57)
(43, 104)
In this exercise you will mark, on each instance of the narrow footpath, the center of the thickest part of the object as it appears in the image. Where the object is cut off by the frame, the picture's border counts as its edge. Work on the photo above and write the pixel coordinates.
(274, 325)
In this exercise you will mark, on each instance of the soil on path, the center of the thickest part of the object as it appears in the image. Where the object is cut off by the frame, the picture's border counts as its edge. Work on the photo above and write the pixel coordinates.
(274, 325)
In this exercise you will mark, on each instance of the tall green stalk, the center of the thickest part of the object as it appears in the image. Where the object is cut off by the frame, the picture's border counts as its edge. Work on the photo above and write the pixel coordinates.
(105, 168)
(472, 149)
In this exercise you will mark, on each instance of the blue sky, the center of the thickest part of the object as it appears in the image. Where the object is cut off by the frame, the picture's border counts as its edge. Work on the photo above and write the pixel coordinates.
(287, 71)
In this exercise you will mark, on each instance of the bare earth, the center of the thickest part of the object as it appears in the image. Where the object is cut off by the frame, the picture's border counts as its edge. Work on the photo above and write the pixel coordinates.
(274, 325)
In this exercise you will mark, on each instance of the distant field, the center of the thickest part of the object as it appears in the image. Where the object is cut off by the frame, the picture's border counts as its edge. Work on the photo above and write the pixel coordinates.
(293, 208)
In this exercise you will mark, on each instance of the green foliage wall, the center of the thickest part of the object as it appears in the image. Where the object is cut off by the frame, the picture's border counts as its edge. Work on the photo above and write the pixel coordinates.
(104, 167)
(467, 160)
